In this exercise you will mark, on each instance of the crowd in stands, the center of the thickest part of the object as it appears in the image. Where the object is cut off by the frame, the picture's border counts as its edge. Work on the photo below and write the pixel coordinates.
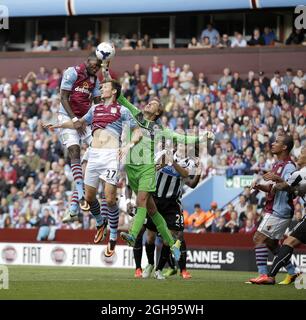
(66, 44)
(245, 113)
(209, 38)
(90, 42)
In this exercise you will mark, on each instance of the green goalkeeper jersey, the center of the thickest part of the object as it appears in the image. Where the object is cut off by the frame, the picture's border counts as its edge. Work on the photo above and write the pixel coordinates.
(153, 133)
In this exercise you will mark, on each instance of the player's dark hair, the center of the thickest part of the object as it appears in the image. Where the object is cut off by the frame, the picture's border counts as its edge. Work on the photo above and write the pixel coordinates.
(288, 141)
(92, 56)
(116, 86)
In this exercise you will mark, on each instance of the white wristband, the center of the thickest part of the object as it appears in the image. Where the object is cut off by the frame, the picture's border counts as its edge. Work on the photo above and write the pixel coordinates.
(75, 119)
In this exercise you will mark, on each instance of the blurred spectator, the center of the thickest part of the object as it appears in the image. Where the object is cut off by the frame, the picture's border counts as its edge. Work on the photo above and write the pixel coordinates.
(142, 89)
(64, 45)
(238, 41)
(295, 37)
(157, 75)
(269, 36)
(8, 173)
(173, 73)
(45, 231)
(90, 41)
(127, 45)
(75, 46)
(299, 78)
(218, 224)
(249, 83)
(35, 46)
(232, 225)
(225, 42)
(140, 45)
(256, 39)
(133, 40)
(212, 34)
(42, 76)
(147, 42)
(194, 44)
(236, 82)
(137, 72)
(54, 81)
(206, 43)
(249, 227)
(196, 220)
(45, 47)
(263, 80)
(278, 86)
(225, 79)
(287, 79)
(241, 208)
(185, 77)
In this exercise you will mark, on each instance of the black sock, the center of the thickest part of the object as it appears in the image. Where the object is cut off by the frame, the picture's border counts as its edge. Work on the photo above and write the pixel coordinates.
(138, 251)
(281, 260)
(164, 256)
(171, 262)
(183, 258)
(150, 248)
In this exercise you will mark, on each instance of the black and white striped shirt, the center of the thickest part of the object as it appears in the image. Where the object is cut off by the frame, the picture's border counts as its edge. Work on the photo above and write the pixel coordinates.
(298, 178)
(169, 182)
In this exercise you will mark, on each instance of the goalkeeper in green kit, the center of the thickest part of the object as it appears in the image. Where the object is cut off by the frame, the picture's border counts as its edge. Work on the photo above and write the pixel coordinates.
(140, 167)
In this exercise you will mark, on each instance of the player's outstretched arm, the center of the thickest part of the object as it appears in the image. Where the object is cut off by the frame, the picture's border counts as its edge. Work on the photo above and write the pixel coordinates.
(193, 181)
(127, 104)
(65, 125)
(180, 138)
(262, 187)
(182, 171)
(281, 186)
(188, 139)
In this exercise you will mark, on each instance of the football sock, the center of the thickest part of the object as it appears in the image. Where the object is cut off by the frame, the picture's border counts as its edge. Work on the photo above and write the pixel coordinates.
(113, 219)
(74, 204)
(164, 256)
(261, 252)
(138, 222)
(78, 177)
(104, 209)
(162, 228)
(183, 258)
(137, 250)
(95, 211)
(288, 266)
(281, 259)
(150, 248)
(171, 262)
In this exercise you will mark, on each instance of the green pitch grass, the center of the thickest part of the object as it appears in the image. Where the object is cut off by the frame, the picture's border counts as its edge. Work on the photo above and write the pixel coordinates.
(94, 283)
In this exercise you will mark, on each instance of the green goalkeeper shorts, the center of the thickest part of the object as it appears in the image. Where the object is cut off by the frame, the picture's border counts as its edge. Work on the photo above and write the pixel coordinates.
(141, 177)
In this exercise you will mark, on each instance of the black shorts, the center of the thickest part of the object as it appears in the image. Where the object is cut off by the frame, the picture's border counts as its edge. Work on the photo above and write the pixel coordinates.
(171, 210)
(299, 231)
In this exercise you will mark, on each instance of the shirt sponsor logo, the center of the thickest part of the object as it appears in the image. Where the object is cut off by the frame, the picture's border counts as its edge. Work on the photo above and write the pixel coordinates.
(82, 90)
